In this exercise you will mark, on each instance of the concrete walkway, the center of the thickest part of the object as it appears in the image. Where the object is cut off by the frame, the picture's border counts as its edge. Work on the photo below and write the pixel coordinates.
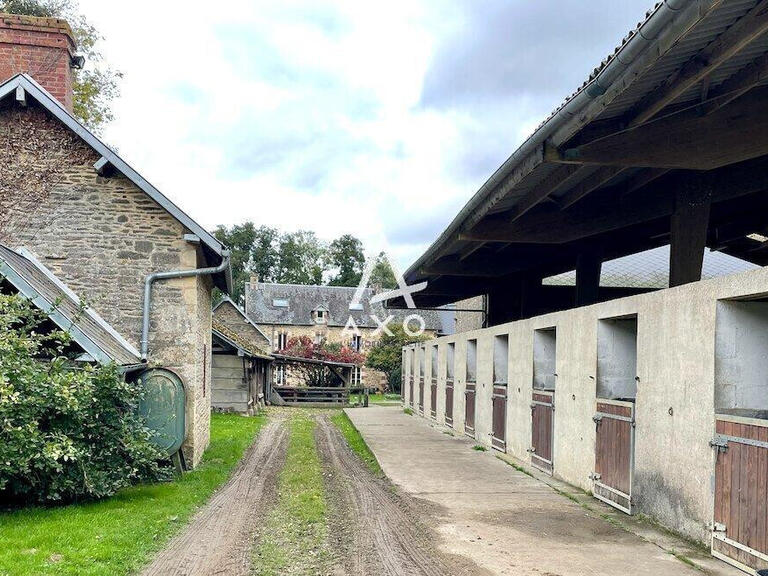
(502, 519)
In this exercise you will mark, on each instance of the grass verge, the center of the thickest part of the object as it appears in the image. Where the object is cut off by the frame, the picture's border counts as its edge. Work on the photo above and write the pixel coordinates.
(118, 535)
(356, 442)
(294, 540)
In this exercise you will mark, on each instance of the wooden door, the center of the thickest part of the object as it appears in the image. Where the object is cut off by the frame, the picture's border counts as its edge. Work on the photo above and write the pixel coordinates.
(433, 399)
(421, 395)
(741, 493)
(542, 429)
(499, 426)
(449, 403)
(614, 453)
(469, 409)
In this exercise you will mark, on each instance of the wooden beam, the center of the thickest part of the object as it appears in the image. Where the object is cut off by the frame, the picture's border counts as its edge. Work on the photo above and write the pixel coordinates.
(543, 189)
(728, 44)
(737, 85)
(21, 95)
(687, 139)
(643, 178)
(589, 184)
(689, 223)
(588, 267)
(616, 212)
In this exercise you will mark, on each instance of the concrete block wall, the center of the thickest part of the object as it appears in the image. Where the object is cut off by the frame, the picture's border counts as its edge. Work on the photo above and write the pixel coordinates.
(676, 333)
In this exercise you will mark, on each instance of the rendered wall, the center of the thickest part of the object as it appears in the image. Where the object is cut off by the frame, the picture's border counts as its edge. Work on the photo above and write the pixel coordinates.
(675, 365)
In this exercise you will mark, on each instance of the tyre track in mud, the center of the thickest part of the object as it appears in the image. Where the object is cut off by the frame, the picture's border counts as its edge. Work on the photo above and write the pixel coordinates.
(375, 530)
(219, 538)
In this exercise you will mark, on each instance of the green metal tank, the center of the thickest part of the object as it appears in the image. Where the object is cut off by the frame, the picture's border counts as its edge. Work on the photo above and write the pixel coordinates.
(163, 408)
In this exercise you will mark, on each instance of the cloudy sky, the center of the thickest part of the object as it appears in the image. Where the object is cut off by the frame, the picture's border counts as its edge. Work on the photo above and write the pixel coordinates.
(370, 118)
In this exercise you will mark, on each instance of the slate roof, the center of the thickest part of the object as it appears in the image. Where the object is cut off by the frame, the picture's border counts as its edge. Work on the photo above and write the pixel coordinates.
(89, 330)
(226, 300)
(650, 269)
(230, 339)
(30, 87)
(302, 300)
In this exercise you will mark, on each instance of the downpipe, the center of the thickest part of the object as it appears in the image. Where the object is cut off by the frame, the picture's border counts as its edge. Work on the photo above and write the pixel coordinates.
(156, 276)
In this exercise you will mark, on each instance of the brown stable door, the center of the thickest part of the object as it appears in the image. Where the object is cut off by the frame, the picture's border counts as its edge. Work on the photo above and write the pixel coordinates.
(614, 453)
(469, 409)
(542, 429)
(499, 426)
(741, 492)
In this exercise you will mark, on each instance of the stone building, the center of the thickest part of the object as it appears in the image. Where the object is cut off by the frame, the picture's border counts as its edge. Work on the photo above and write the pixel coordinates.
(97, 224)
(284, 311)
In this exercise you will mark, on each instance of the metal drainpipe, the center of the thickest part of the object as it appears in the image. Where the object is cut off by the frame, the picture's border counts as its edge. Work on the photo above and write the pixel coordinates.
(152, 278)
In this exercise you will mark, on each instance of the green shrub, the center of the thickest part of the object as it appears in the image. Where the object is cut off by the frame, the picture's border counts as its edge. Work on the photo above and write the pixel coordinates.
(68, 431)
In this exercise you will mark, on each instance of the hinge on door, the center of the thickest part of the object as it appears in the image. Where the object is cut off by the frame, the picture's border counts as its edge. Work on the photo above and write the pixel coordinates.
(531, 450)
(719, 527)
(719, 442)
(533, 405)
(594, 476)
(597, 418)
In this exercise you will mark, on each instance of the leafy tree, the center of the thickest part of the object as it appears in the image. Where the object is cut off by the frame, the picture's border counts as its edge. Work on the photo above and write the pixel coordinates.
(240, 240)
(69, 431)
(317, 374)
(264, 254)
(96, 85)
(301, 258)
(346, 255)
(387, 355)
(382, 275)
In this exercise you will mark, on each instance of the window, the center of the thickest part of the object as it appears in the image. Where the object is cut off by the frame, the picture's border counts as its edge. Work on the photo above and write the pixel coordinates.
(471, 367)
(321, 315)
(357, 376)
(356, 343)
(282, 340)
(318, 338)
(280, 375)
(280, 303)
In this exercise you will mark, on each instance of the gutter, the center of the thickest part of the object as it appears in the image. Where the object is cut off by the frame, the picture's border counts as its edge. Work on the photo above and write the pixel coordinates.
(156, 276)
(623, 62)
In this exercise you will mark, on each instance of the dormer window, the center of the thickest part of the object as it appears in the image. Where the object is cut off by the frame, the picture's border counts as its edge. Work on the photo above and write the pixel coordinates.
(320, 315)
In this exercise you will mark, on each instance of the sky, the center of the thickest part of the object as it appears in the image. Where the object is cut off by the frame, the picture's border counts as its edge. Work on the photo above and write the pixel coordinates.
(369, 118)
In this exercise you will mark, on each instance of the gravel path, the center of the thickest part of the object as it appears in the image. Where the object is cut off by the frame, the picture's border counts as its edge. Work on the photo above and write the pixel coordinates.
(219, 538)
(374, 529)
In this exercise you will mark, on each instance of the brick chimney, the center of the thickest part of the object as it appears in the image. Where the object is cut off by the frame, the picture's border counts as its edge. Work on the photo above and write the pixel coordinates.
(41, 47)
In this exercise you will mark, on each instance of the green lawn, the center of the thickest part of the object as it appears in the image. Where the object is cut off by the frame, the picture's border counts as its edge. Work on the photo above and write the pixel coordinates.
(118, 535)
(294, 540)
(356, 442)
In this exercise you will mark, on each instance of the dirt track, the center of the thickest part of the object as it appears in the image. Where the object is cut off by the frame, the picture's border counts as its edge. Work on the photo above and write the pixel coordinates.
(219, 538)
(375, 530)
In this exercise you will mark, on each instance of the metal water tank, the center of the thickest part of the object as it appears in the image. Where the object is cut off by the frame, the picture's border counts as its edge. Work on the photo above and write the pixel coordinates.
(163, 406)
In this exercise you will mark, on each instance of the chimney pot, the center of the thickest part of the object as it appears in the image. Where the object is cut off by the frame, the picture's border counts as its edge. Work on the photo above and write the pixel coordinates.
(44, 48)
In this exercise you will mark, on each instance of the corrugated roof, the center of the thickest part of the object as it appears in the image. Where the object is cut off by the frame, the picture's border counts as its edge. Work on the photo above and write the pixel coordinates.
(89, 330)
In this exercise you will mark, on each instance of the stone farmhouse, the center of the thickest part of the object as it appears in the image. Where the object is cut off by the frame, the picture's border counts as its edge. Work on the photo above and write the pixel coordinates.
(96, 225)
(284, 311)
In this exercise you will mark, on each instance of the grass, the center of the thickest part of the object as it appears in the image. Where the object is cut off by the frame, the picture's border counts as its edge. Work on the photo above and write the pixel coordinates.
(118, 535)
(294, 539)
(479, 448)
(408, 411)
(356, 442)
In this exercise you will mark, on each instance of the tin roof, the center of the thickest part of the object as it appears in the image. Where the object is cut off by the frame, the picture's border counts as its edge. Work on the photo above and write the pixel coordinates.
(89, 330)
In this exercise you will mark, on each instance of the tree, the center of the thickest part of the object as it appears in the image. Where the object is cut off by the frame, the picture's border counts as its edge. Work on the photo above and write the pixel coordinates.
(346, 255)
(240, 240)
(95, 86)
(318, 374)
(382, 275)
(264, 255)
(387, 355)
(301, 258)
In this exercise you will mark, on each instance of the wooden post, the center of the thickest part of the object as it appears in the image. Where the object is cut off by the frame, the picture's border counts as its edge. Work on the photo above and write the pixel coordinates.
(688, 229)
(588, 266)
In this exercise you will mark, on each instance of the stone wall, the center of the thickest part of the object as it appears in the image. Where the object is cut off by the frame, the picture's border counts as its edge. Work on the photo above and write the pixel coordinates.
(102, 237)
(466, 321)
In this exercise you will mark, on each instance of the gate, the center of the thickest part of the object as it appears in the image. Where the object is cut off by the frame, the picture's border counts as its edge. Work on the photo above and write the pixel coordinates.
(433, 399)
(449, 403)
(614, 453)
(542, 429)
(421, 396)
(499, 426)
(469, 409)
(741, 504)
(410, 391)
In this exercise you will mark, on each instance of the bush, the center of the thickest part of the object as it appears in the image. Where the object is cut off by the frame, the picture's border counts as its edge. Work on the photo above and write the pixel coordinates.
(68, 431)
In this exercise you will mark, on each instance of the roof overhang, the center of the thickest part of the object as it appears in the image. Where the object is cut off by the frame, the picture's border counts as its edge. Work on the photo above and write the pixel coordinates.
(683, 101)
